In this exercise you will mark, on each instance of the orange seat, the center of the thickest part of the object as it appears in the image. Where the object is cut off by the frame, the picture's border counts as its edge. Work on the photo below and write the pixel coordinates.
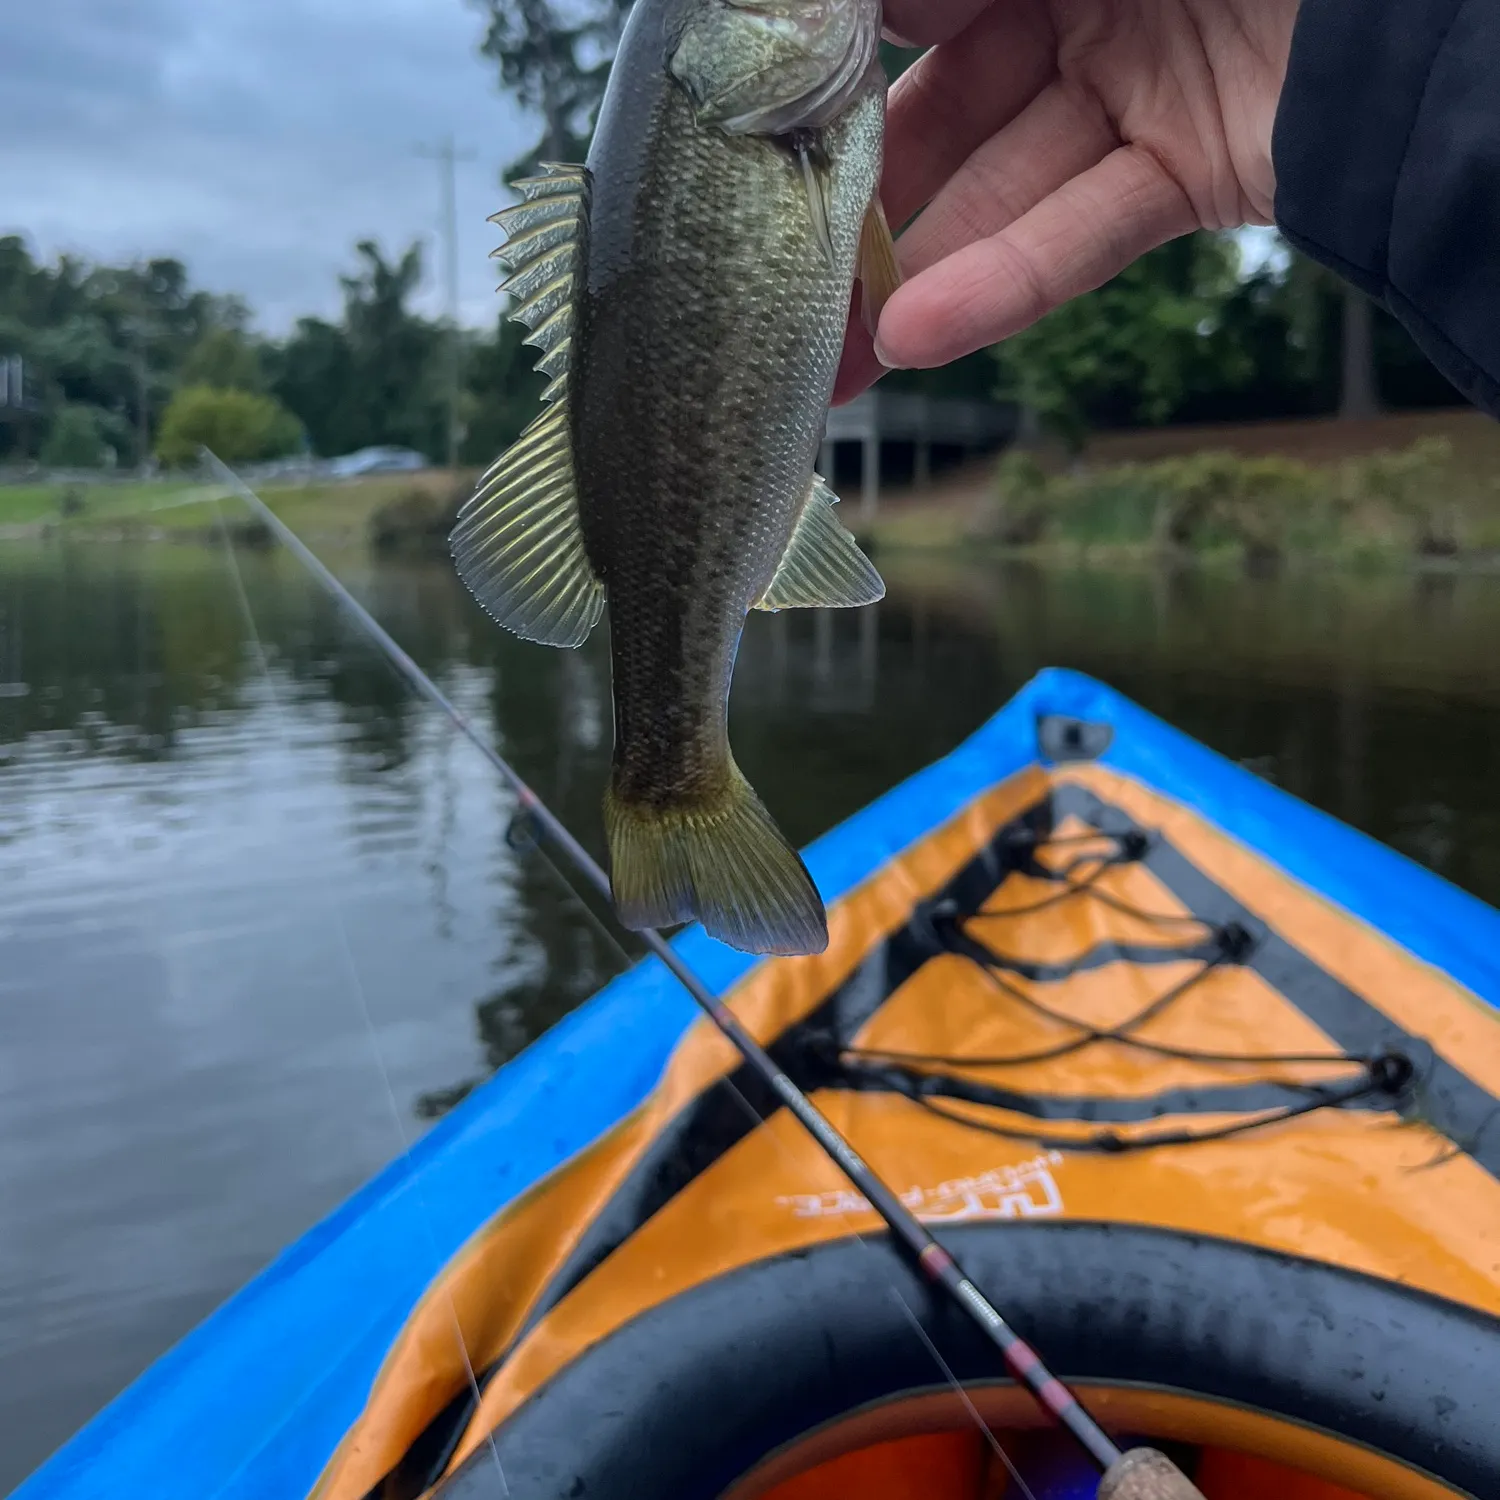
(1226, 1475)
(957, 1466)
(932, 1466)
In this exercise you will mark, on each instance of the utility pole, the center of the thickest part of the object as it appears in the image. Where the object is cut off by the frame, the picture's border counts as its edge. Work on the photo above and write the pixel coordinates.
(447, 156)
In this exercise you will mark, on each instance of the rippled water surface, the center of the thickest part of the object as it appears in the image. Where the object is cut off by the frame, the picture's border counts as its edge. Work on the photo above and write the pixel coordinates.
(260, 919)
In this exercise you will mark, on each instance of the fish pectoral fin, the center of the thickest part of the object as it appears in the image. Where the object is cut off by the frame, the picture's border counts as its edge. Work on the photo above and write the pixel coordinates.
(878, 270)
(519, 546)
(815, 179)
(518, 543)
(822, 567)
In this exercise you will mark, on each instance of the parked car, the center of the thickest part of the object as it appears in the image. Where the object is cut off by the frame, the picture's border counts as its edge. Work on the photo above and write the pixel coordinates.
(381, 460)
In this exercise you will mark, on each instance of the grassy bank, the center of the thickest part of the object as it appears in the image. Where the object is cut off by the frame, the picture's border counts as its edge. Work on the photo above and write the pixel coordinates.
(1414, 487)
(345, 513)
(25, 507)
(1289, 491)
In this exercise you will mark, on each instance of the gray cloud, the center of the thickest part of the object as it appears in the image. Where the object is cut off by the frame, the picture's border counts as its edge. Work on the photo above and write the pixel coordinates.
(255, 139)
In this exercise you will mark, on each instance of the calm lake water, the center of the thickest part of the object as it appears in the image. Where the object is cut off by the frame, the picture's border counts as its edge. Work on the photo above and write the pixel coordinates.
(260, 919)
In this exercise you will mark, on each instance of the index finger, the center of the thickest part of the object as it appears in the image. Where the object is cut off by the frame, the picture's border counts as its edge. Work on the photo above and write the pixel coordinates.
(959, 95)
(924, 23)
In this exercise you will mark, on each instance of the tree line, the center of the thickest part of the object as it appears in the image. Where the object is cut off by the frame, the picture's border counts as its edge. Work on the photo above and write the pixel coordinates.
(125, 363)
(1183, 335)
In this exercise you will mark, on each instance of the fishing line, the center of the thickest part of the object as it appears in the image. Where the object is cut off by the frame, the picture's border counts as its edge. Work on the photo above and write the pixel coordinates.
(352, 968)
(851, 1230)
(519, 839)
(931, 1260)
(963, 1395)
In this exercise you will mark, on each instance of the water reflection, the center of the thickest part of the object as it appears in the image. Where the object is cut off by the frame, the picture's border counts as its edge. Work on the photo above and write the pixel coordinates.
(258, 925)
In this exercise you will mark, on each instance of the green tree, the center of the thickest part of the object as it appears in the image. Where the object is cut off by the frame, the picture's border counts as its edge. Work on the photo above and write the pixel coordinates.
(240, 426)
(1253, 320)
(1133, 350)
(376, 376)
(76, 439)
(313, 376)
(225, 358)
(502, 393)
(112, 338)
(555, 58)
(1330, 314)
(395, 352)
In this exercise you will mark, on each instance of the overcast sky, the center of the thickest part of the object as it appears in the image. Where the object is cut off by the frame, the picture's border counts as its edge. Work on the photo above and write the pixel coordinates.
(257, 140)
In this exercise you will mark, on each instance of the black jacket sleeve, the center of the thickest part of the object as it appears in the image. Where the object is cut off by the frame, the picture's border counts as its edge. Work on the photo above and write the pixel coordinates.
(1387, 157)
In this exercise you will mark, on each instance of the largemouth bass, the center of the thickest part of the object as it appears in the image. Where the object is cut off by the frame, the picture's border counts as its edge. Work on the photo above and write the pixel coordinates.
(689, 288)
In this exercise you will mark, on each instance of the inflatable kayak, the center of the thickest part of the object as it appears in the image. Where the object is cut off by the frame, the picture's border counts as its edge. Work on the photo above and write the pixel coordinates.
(1200, 1086)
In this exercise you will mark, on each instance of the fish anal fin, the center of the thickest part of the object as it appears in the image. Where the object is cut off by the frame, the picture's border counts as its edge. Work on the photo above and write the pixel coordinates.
(518, 544)
(722, 861)
(877, 268)
(822, 567)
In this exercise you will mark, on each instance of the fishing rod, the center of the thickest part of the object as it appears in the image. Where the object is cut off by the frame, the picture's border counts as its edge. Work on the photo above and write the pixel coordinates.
(1137, 1474)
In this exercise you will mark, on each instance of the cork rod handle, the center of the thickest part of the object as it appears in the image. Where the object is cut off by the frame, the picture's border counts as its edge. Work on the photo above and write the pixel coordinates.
(1145, 1474)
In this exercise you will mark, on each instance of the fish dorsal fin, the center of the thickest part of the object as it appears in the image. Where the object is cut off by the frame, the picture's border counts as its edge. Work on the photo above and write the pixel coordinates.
(518, 544)
(822, 567)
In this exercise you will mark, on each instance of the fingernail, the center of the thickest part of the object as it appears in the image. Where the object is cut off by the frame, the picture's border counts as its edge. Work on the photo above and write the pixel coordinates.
(883, 357)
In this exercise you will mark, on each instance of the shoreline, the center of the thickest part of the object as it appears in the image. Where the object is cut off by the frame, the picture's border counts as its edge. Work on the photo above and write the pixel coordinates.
(1100, 557)
(1128, 556)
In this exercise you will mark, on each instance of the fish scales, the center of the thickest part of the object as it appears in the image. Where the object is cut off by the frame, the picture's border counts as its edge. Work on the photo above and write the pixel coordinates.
(709, 339)
(689, 290)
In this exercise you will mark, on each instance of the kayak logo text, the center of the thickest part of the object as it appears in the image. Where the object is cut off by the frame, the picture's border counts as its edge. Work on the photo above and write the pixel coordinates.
(1026, 1190)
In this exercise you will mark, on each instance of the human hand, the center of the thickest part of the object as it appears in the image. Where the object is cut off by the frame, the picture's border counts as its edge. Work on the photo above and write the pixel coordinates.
(1055, 141)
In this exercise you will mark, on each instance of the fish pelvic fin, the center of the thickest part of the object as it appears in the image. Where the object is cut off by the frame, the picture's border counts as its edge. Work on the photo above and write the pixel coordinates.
(822, 567)
(877, 268)
(723, 861)
(518, 544)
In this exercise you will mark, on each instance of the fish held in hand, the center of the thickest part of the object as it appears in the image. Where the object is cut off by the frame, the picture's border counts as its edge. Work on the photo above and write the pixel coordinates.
(689, 289)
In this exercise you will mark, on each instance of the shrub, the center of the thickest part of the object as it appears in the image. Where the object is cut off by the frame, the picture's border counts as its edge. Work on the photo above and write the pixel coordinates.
(239, 426)
(1408, 494)
(418, 515)
(1018, 513)
(1265, 506)
(1118, 506)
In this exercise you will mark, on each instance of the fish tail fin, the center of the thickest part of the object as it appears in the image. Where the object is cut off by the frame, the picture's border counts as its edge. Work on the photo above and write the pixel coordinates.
(723, 861)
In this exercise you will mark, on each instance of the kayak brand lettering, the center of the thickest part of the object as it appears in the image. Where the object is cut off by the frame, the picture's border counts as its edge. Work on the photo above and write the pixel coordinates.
(1027, 1190)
